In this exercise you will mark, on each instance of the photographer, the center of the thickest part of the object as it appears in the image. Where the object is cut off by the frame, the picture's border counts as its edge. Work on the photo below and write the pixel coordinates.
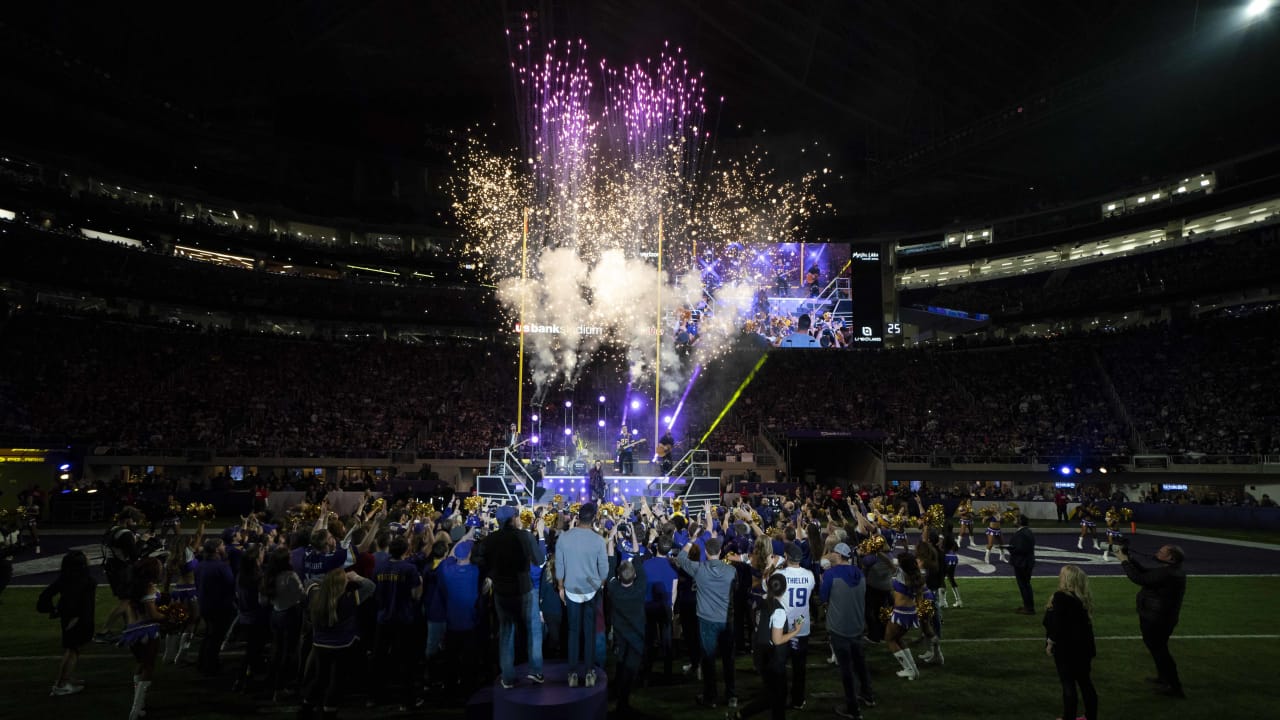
(1159, 602)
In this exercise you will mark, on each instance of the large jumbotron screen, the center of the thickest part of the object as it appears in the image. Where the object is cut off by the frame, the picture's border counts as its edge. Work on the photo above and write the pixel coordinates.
(820, 296)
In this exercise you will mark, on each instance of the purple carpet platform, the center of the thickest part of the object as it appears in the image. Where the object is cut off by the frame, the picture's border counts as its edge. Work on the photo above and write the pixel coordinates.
(553, 700)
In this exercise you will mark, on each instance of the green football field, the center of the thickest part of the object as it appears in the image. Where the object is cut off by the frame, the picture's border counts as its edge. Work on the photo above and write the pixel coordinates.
(1226, 647)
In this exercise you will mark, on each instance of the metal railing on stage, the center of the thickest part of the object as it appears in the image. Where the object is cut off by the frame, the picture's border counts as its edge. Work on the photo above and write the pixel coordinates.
(695, 465)
(516, 480)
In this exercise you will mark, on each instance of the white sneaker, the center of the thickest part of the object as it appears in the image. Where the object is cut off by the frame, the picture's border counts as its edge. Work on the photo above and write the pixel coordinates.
(908, 674)
(67, 689)
(831, 660)
(591, 678)
(573, 680)
(926, 656)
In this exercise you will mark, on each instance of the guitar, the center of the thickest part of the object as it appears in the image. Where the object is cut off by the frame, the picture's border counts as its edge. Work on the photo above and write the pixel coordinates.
(519, 444)
(623, 445)
(664, 449)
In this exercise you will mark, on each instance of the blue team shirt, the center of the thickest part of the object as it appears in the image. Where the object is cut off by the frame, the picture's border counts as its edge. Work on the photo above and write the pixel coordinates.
(315, 565)
(460, 591)
(660, 574)
(396, 582)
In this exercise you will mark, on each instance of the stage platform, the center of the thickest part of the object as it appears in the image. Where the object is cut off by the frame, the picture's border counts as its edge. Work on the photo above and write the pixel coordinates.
(619, 488)
(553, 700)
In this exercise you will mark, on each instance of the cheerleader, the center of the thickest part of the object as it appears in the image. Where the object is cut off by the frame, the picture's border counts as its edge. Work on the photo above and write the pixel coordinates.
(180, 586)
(1113, 533)
(908, 587)
(1088, 526)
(950, 561)
(965, 513)
(929, 561)
(994, 536)
(900, 532)
(142, 629)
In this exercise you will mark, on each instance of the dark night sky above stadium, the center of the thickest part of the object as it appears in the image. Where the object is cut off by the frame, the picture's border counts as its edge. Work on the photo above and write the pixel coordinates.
(933, 109)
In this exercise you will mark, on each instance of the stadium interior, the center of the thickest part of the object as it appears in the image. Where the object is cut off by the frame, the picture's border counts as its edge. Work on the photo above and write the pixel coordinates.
(235, 263)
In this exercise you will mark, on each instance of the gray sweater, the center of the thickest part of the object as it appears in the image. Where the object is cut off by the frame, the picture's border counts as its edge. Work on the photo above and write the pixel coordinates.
(714, 579)
(844, 590)
(582, 564)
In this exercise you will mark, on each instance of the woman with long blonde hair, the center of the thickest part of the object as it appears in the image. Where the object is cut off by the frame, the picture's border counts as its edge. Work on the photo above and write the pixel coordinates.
(1068, 623)
(335, 631)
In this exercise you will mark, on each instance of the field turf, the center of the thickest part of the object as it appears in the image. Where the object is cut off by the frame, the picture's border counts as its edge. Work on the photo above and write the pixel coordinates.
(1226, 647)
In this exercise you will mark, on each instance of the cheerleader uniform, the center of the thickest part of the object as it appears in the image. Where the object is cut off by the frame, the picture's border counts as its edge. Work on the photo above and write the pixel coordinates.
(996, 533)
(179, 639)
(966, 528)
(904, 616)
(1087, 526)
(141, 632)
(1113, 539)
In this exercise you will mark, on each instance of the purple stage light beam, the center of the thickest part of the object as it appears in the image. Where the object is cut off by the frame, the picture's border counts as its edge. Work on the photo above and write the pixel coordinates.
(697, 370)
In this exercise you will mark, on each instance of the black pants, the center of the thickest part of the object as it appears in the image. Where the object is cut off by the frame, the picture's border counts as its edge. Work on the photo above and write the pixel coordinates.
(285, 626)
(1155, 635)
(326, 686)
(876, 599)
(1073, 672)
(463, 646)
(1062, 513)
(626, 668)
(256, 637)
(773, 686)
(394, 660)
(799, 656)
(657, 631)
(216, 627)
(1023, 576)
(690, 635)
(854, 675)
(626, 461)
(742, 627)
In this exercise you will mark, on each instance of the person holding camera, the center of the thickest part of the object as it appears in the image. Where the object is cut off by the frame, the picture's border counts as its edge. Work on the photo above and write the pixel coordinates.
(1159, 603)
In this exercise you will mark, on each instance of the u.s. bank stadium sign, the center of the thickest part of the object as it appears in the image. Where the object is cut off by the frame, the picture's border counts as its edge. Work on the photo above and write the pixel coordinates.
(556, 330)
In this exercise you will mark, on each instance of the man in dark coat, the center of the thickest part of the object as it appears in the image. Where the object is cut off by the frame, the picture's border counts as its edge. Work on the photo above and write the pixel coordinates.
(1159, 603)
(1022, 556)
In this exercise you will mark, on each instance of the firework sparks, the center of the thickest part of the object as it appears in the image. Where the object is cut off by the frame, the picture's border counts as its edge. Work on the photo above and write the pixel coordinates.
(607, 151)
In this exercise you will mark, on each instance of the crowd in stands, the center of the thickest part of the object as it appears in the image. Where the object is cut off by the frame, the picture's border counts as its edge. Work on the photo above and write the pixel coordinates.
(1204, 387)
(1222, 263)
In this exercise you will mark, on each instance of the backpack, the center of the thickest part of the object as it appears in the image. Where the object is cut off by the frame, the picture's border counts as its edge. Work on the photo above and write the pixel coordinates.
(764, 634)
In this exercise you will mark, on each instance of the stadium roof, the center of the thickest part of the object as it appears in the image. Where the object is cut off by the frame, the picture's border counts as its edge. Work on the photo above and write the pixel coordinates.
(934, 110)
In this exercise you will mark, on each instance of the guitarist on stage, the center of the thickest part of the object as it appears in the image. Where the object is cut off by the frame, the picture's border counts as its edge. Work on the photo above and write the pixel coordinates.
(626, 457)
(665, 445)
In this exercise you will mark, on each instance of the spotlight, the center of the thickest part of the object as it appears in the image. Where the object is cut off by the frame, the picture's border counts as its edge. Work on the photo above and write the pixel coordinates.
(64, 476)
(1077, 471)
(1102, 470)
(64, 467)
(635, 404)
(635, 432)
(568, 431)
(534, 439)
(600, 423)
(1065, 469)
(568, 403)
(1256, 8)
(667, 419)
(535, 417)
(601, 398)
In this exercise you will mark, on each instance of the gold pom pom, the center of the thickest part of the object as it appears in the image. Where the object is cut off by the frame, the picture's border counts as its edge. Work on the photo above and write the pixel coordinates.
(473, 503)
(886, 612)
(755, 518)
(935, 516)
(574, 508)
(925, 609)
(1010, 513)
(557, 500)
(201, 511)
(552, 520)
(872, 545)
(526, 518)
